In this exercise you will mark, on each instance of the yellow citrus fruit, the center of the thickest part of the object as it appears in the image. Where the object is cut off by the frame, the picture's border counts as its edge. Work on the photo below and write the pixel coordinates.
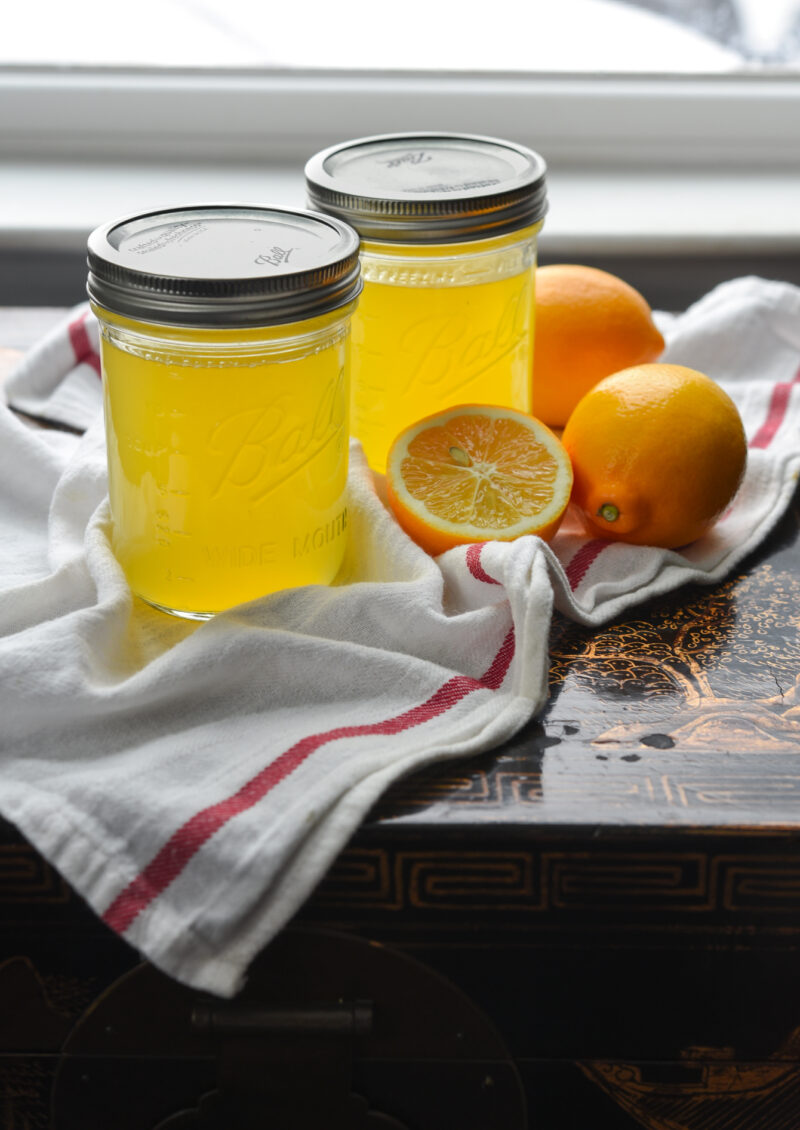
(477, 473)
(658, 452)
(589, 324)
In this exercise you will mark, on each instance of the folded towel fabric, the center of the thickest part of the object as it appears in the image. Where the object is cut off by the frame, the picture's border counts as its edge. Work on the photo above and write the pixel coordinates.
(194, 781)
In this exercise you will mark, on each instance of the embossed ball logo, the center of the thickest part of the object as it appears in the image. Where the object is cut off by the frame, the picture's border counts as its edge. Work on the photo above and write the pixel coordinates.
(264, 446)
(448, 352)
(275, 257)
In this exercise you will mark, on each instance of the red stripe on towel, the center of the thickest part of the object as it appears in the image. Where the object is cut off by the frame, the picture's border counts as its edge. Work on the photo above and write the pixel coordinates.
(81, 343)
(776, 412)
(500, 664)
(474, 564)
(583, 559)
(173, 857)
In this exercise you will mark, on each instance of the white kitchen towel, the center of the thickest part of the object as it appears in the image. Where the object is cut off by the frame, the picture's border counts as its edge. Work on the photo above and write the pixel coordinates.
(195, 781)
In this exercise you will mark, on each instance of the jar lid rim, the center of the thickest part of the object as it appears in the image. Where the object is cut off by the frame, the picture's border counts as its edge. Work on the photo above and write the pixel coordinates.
(429, 186)
(223, 264)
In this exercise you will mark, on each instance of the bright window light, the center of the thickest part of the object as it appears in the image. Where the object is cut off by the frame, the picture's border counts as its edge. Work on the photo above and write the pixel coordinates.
(572, 36)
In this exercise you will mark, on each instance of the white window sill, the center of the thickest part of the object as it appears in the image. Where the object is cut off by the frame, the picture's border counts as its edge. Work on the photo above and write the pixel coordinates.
(52, 206)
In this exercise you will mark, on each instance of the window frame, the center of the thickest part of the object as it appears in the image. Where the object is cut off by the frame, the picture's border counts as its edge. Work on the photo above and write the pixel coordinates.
(278, 117)
(674, 182)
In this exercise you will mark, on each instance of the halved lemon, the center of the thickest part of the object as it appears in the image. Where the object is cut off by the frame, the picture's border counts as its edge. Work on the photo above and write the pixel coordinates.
(477, 473)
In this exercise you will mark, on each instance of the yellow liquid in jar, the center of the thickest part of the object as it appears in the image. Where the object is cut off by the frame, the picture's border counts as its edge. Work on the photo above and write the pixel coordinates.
(440, 326)
(227, 458)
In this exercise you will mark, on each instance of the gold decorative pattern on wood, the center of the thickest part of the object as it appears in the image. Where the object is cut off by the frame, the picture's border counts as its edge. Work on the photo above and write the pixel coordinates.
(719, 671)
(600, 881)
(763, 883)
(528, 882)
(472, 880)
(26, 878)
(710, 1089)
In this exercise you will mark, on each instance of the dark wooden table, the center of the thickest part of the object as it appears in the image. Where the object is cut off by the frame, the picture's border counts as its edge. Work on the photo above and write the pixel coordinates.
(596, 925)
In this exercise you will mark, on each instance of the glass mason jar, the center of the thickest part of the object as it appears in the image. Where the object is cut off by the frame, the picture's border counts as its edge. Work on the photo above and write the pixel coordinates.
(225, 356)
(448, 225)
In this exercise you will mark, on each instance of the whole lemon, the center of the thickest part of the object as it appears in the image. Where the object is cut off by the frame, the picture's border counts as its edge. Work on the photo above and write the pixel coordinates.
(589, 324)
(658, 452)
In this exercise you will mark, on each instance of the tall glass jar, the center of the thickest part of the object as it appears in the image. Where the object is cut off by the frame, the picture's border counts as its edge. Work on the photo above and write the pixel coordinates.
(225, 353)
(449, 228)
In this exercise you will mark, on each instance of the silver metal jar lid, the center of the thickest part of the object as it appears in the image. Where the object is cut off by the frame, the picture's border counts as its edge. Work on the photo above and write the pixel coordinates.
(218, 265)
(429, 187)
